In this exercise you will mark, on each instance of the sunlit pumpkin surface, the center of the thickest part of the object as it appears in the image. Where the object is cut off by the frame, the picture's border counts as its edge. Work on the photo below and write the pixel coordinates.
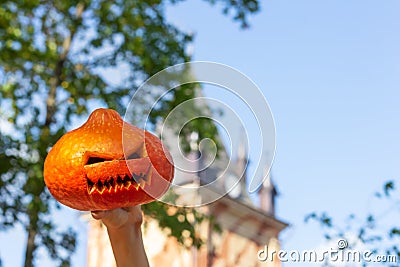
(106, 164)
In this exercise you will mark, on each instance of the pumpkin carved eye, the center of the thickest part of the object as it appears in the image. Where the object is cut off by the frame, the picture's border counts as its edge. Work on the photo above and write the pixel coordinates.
(98, 159)
(134, 155)
(93, 160)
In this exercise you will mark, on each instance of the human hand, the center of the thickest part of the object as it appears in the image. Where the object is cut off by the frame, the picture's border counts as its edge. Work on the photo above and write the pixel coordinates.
(124, 231)
(121, 217)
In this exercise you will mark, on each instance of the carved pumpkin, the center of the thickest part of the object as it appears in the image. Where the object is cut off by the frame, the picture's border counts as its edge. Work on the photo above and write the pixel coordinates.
(87, 168)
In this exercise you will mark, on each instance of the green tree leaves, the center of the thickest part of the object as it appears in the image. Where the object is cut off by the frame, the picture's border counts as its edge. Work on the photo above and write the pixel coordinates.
(53, 59)
(373, 232)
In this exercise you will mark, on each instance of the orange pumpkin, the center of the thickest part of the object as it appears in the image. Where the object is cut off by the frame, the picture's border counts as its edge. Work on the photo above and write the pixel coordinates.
(87, 168)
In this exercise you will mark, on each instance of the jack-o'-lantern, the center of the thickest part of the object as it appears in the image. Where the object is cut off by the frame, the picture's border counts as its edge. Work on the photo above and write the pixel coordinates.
(107, 163)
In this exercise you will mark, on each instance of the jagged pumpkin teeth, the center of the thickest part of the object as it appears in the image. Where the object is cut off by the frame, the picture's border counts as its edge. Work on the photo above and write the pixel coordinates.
(127, 184)
(107, 185)
(110, 184)
(101, 190)
(92, 190)
(97, 174)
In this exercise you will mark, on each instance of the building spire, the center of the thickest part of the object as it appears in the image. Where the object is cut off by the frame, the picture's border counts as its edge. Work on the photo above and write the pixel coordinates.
(242, 160)
(267, 194)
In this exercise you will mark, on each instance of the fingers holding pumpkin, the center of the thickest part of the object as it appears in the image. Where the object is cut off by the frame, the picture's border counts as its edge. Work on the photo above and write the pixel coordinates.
(119, 217)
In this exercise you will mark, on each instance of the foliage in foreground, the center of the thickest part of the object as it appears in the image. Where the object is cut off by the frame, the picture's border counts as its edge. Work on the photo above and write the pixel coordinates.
(374, 232)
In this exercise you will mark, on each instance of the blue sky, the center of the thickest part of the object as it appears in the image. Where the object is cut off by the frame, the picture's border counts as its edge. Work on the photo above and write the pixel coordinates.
(330, 72)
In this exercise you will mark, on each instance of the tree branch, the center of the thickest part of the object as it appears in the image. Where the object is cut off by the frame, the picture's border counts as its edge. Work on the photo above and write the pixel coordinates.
(57, 79)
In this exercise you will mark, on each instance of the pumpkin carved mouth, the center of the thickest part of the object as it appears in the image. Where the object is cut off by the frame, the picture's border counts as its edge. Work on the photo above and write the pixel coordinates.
(114, 184)
(99, 182)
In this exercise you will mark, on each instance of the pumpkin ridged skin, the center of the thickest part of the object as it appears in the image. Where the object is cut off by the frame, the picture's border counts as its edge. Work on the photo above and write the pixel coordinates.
(67, 167)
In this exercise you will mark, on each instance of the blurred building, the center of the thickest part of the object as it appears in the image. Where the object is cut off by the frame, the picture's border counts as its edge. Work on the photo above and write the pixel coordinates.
(246, 227)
